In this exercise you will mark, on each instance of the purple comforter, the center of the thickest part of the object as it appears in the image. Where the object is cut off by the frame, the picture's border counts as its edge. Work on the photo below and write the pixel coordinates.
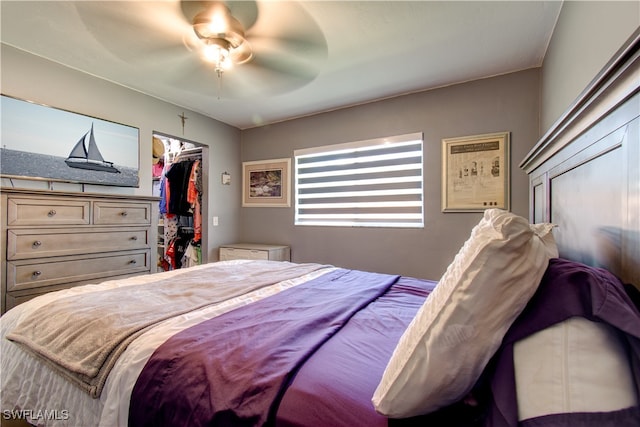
(334, 387)
(232, 370)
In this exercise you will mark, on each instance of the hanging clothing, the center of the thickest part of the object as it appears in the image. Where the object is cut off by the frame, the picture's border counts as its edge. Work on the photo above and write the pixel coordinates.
(194, 197)
(178, 176)
(191, 256)
(164, 193)
(157, 169)
(181, 243)
(170, 227)
(192, 192)
(181, 208)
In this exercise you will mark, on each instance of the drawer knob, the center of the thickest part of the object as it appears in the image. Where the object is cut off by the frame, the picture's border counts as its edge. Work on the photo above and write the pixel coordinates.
(133, 261)
(51, 213)
(36, 244)
(123, 213)
(134, 238)
(36, 274)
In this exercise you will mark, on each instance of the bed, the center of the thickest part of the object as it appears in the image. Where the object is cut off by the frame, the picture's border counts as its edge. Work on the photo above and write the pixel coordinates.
(508, 336)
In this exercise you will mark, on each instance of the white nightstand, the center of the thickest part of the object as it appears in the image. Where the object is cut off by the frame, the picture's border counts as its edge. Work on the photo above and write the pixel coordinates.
(255, 251)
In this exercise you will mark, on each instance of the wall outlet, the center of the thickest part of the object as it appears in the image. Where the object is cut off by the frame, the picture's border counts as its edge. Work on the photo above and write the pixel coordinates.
(215, 221)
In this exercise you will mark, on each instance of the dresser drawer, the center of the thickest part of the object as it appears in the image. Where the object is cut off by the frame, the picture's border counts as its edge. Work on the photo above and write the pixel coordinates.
(107, 213)
(15, 298)
(227, 254)
(28, 211)
(25, 244)
(12, 301)
(53, 240)
(28, 275)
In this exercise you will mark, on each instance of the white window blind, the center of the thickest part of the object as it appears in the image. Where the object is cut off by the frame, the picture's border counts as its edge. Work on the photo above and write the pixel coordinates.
(373, 183)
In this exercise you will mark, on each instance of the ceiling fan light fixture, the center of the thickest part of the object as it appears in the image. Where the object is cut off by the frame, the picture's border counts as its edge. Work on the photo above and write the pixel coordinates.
(208, 25)
(223, 39)
(242, 53)
(217, 53)
(217, 25)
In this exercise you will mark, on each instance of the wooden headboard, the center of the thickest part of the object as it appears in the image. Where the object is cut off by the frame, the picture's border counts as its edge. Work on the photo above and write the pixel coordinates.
(584, 173)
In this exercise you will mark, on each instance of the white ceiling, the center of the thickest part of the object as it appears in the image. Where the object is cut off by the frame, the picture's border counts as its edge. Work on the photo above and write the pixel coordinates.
(343, 52)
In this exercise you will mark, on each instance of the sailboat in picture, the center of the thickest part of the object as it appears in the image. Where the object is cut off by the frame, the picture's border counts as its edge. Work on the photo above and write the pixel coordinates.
(85, 155)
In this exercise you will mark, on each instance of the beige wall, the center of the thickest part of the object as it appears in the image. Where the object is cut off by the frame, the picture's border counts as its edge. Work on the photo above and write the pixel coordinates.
(32, 78)
(587, 35)
(505, 103)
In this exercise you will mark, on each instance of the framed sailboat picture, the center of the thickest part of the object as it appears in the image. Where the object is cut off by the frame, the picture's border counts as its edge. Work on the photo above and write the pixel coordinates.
(47, 143)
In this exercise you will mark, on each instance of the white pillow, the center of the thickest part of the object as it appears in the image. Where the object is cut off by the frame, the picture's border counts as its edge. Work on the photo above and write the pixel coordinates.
(556, 372)
(461, 325)
(543, 230)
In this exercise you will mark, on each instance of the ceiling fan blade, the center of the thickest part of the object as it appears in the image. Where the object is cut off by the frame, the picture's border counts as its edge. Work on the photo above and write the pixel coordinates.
(146, 28)
(191, 76)
(287, 65)
(307, 50)
(247, 81)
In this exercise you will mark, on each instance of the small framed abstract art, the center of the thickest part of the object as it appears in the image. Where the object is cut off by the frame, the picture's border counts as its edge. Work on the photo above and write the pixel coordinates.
(265, 183)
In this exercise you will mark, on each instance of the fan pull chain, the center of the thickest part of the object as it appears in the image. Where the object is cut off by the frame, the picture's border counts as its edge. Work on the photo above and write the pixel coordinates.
(219, 82)
(219, 72)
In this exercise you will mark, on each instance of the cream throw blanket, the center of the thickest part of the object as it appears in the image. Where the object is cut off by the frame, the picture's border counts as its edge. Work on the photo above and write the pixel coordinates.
(82, 336)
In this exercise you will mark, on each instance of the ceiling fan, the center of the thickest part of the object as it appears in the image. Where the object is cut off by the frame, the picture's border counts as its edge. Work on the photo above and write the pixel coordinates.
(273, 47)
(220, 35)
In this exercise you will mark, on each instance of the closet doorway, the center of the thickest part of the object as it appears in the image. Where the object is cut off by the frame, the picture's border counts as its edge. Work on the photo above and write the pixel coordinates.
(180, 172)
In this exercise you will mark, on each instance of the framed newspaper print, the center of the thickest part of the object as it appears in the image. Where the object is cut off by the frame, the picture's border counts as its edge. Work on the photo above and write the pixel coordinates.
(475, 173)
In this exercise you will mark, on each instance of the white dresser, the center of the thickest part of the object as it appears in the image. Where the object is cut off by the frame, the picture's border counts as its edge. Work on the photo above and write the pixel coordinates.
(255, 251)
(56, 240)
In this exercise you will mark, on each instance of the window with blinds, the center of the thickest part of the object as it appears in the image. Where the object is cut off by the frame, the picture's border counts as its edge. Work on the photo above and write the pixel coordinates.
(373, 183)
